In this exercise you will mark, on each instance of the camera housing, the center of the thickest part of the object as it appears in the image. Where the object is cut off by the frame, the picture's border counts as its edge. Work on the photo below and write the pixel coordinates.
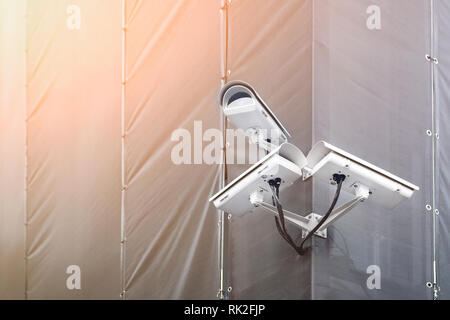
(246, 110)
(239, 196)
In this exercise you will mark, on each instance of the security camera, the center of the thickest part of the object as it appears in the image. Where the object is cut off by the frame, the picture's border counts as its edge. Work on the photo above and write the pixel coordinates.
(251, 188)
(261, 184)
(383, 187)
(246, 110)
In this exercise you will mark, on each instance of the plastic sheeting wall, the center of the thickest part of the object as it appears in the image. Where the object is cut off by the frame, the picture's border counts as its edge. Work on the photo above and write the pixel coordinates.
(271, 48)
(73, 148)
(172, 73)
(100, 110)
(12, 159)
(372, 99)
(442, 44)
(91, 92)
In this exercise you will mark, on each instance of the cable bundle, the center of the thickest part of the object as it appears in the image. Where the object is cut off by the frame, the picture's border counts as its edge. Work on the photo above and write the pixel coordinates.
(280, 222)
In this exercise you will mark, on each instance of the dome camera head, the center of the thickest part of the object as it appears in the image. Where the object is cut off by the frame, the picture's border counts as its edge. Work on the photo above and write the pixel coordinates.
(246, 110)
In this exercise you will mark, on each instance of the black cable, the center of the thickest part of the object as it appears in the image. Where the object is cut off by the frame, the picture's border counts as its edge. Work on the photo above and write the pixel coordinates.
(281, 226)
(275, 187)
(280, 222)
(275, 192)
(339, 178)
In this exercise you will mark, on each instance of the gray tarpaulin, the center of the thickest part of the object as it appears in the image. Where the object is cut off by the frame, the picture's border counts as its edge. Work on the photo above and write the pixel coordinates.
(12, 141)
(172, 79)
(371, 98)
(271, 48)
(442, 31)
(73, 148)
(91, 93)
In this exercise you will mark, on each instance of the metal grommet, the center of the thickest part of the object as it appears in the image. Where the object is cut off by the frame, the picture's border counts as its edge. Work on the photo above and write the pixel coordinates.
(229, 217)
(229, 289)
(429, 133)
(429, 285)
(428, 207)
(220, 295)
(436, 211)
(437, 136)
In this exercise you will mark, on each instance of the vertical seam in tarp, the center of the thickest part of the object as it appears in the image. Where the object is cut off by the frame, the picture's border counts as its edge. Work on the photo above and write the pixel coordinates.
(222, 294)
(433, 150)
(123, 136)
(313, 22)
(25, 203)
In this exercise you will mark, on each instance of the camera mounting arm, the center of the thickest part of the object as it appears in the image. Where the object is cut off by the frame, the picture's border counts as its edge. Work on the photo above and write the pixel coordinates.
(308, 223)
(361, 195)
(260, 139)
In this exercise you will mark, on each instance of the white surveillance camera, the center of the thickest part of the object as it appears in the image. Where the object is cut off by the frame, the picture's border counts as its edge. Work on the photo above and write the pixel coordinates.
(384, 188)
(251, 187)
(260, 184)
(246, 110)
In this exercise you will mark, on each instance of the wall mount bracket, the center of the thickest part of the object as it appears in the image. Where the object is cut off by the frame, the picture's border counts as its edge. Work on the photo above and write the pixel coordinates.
(260, 138)
(309, 222)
